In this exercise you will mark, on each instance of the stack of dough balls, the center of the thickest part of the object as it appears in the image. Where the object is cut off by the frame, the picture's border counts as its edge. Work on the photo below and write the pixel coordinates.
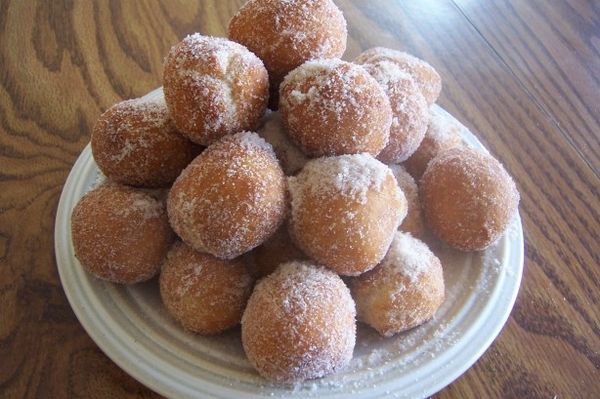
(252, 217)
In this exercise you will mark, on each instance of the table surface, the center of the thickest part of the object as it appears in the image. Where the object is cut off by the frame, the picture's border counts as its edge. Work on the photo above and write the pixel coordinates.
(524, 75)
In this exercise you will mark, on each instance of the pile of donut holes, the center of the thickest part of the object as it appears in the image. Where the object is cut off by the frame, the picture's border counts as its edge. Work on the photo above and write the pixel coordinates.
(250, 215)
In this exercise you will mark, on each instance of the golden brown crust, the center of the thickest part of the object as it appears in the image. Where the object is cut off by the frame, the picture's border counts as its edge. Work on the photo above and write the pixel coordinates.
(214, 87)
(285, 34)
(404, 291)
(468, 198)
(345, 211)
(231, 198)
(120, 234)
(135, 143)
(206, 295)
(299, 324)
(333, 107)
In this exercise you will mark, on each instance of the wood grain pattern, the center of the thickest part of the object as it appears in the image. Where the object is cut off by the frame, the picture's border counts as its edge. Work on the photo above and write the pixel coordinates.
(507, 76)
(558, 63)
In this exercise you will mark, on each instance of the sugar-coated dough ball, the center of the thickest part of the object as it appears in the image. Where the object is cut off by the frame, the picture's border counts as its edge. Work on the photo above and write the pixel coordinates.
(120, 234)
(402, 292)
(345, 210)
(299, 324)
(334, 107)
(409, 111)
(424, 74)
(413, 223)
(285, 34)
(442, 134)
(214, 87)
(291, 158)
(231, 198)
(278, 249)
(468, 198)
(135, 143)
(206, 295)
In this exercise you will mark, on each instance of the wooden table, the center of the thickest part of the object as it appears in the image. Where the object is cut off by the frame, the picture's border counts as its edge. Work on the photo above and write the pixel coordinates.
(523, 74)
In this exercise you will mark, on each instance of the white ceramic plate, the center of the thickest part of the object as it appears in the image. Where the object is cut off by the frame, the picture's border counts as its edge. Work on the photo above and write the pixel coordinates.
(131, 326)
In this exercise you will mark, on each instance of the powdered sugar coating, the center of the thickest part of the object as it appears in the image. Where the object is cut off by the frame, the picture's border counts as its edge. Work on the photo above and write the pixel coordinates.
(425, 76)
(289, 155)
(402, 292)
(252, 142)
(214, 87)
(409, 110)
(205, 294)
(135, 143)
(413, 222)
(333, 107)
(345, 210)
(299, 324)
(120, 234)
(468, 198)
(285, 33)
(230, 198)
(442, 134)
(349, 175)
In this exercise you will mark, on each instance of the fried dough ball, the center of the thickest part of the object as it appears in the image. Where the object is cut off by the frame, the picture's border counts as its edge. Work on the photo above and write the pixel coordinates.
(214, 87)
(468, 198)
(231, 198)
(299, 324)
(409, 111)
(413, 222)
(206, 295)
(442, 134)
(135, 143)
(291, 158)
(402, 292)
(425, 76)
(345, 210)
(285, 34)
(333, 107)
(120, 234)
(278, 249)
